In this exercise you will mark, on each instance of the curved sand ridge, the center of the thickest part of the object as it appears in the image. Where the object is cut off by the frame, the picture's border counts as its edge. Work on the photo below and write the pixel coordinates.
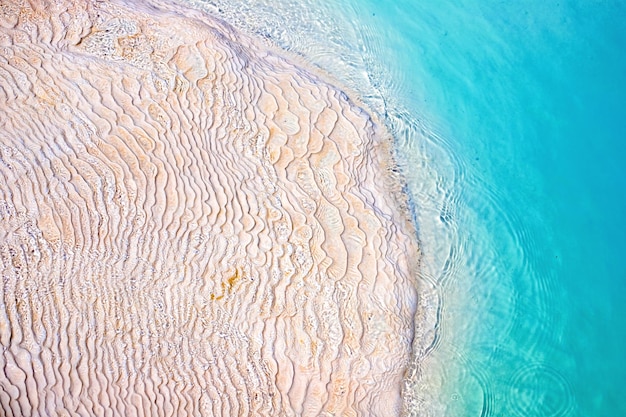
(190, 224)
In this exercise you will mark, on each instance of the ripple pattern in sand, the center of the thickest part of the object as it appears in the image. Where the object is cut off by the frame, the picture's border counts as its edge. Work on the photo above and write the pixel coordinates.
(190, 224)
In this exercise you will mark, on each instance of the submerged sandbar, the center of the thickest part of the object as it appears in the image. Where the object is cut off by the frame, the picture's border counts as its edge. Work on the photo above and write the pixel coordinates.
(191, 224)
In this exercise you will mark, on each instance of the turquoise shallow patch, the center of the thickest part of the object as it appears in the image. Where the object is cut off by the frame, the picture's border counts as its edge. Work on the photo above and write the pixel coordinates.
(528, 98)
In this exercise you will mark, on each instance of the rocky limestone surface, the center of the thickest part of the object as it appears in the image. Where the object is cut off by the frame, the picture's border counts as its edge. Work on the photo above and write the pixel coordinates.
(191, 223)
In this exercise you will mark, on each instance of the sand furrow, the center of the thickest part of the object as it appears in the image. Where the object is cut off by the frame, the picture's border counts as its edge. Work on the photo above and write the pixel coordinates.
(191, 224)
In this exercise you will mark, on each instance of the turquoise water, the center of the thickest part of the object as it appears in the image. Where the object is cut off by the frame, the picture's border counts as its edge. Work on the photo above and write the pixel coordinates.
(530, 98)
(510, 120)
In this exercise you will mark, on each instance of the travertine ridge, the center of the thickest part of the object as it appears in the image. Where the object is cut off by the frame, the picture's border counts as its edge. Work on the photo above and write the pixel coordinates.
(191, 224)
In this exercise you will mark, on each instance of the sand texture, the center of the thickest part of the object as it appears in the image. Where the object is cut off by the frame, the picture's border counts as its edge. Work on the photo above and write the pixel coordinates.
(191, 224)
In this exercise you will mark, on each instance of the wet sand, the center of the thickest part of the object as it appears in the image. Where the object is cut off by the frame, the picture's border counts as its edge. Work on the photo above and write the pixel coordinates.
(192, 223)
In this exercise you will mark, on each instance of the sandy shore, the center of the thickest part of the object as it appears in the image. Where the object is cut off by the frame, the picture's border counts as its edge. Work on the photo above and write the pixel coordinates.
(191, 224)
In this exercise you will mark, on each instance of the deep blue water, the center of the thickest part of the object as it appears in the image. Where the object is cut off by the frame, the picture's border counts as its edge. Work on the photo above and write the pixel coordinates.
(510, 121)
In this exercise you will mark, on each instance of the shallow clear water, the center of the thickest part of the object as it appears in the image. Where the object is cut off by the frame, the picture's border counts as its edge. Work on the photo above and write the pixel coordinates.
(510, 121)
(530, 99)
